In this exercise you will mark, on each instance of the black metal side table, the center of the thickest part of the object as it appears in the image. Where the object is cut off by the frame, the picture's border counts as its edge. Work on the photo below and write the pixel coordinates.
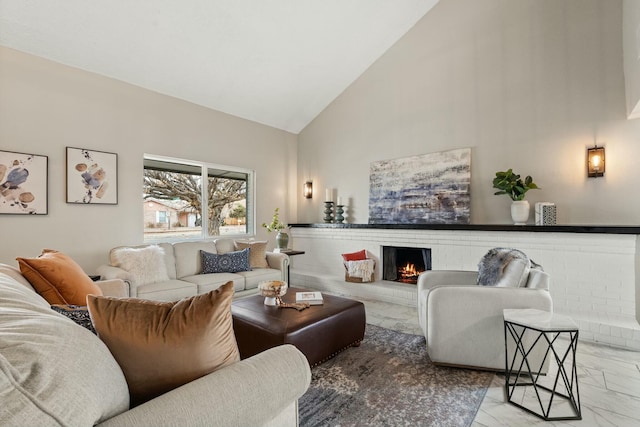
(290, 252)
(529, 329)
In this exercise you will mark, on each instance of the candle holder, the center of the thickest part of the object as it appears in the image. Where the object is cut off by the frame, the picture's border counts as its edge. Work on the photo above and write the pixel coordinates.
(328, 212)
(339, 212)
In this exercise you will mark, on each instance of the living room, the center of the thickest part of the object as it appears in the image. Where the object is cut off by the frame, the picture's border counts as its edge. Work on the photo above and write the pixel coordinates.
(525, 84)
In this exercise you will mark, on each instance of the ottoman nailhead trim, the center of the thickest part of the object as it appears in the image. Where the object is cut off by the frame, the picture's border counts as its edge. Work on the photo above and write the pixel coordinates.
(355, 343)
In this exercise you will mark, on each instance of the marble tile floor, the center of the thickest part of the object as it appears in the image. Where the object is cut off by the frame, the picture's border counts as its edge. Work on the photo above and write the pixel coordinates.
(608, 379)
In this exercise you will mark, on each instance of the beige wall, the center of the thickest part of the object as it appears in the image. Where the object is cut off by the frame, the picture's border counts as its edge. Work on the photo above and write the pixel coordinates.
(45, 107)
(631, 43)
(527, 84)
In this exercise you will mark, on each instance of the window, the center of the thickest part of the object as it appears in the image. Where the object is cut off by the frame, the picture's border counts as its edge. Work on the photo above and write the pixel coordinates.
(177, 205)
(162, 217)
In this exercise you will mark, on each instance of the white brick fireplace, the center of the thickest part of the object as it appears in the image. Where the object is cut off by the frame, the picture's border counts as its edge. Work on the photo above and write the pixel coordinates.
(593, 274)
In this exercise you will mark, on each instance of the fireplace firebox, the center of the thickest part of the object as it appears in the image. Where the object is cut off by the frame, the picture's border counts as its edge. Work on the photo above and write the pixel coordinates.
(403, 264)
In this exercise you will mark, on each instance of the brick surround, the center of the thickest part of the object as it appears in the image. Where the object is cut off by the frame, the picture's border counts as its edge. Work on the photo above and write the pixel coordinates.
(593, 275)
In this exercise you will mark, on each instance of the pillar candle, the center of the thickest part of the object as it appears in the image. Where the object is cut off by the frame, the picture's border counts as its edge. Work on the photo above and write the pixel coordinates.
(328, 195)
(340, 201)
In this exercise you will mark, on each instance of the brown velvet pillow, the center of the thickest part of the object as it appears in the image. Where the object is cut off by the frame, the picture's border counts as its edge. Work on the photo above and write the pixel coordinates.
(257, 253)
(163, 345)
(58, 278)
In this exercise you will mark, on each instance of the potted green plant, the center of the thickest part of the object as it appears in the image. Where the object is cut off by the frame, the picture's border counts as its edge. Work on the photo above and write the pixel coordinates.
(282, 238)
(515, 187)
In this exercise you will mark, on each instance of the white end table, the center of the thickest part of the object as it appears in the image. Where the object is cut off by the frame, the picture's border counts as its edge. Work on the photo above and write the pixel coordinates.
(542, 328)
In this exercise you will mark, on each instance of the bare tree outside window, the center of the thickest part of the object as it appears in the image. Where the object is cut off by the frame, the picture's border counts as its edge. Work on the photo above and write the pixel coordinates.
(223, 192)
(177, 189)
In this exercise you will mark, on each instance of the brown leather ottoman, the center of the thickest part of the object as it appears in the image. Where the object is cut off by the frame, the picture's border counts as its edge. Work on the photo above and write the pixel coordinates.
(320, 331)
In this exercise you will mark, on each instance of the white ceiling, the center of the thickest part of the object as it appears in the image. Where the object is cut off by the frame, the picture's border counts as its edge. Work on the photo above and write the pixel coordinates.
(278, 62)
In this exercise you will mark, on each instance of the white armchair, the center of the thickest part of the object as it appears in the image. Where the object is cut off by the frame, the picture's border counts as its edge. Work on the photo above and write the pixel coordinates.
(463, 322)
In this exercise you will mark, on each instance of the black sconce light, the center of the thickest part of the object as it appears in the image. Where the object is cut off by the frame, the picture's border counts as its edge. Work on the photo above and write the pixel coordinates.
(595, 162)
(307, 190)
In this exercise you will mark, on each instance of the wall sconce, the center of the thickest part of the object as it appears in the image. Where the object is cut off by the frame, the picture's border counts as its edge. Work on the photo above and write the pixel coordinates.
(307, 190)
(595, 162)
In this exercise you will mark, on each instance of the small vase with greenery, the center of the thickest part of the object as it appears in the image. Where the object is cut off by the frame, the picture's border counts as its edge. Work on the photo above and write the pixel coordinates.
(512, 185)
(282, 238)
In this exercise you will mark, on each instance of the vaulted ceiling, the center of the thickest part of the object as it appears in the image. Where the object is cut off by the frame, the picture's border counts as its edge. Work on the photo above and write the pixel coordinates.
(277, 62)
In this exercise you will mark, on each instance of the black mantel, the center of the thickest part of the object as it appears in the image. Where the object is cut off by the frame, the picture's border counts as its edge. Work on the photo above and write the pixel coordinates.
(595, 229)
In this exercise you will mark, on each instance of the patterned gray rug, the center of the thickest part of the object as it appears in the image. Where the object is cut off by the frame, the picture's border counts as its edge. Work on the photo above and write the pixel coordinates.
(390, 381)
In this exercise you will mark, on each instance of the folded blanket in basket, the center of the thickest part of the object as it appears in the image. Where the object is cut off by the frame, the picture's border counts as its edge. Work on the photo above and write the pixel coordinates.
(362, 269)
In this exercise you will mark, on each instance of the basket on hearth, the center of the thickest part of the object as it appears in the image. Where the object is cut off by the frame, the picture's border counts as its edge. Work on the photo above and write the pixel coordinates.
(358, 267)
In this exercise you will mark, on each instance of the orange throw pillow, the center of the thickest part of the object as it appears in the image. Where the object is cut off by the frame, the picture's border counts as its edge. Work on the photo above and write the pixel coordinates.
(58, 278)
(163, 345)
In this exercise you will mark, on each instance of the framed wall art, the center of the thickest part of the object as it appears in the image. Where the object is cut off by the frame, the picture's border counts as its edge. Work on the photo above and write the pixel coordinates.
(425, 189)
(92, 177)
(23, 183)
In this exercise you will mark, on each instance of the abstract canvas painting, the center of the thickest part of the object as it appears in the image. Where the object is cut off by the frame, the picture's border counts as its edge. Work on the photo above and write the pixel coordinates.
(425, 189)
(92, 177)
(23, 183)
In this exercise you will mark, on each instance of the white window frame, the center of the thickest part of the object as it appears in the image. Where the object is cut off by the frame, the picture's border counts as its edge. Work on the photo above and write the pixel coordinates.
(204, 166)
(158, 215)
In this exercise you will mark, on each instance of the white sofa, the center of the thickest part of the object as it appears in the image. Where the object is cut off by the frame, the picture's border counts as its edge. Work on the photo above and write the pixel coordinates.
(463, 321)
(183, 264)
(54, 372)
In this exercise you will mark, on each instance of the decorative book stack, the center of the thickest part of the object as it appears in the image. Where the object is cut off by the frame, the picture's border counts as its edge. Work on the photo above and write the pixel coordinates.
(312, 298)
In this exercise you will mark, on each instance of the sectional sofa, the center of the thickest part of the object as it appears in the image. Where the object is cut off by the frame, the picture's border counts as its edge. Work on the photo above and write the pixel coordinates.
(175, 271)
(54, 372)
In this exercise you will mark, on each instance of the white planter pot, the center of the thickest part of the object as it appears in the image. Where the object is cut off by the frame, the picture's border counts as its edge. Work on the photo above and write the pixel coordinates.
(520, 212)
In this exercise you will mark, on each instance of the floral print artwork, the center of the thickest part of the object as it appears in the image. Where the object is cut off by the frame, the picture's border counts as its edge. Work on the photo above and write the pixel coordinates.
(91, 176)
(23, 183)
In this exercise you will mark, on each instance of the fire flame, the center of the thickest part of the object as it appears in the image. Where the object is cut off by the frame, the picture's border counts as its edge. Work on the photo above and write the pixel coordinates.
(409, 270)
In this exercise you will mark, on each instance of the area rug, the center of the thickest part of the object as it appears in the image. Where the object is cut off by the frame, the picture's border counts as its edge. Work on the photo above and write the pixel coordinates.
(390, 381)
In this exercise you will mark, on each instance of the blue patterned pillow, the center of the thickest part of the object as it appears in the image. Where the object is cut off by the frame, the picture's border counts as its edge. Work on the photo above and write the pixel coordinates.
(77, 313)
(231, 262)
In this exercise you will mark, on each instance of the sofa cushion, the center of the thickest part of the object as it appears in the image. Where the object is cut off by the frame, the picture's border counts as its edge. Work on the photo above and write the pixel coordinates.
(52, 371)
(225, 245)
(162, 345)
(253, 277)
(257, 253)
(188, 259)
(145, 264)
(538, 278)
(169, 259)
(171, 290)
(58, 278)
(231, 262)
(210, 282)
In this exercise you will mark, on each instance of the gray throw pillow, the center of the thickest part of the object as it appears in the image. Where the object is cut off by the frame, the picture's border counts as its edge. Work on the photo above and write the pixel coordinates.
(231, 262)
